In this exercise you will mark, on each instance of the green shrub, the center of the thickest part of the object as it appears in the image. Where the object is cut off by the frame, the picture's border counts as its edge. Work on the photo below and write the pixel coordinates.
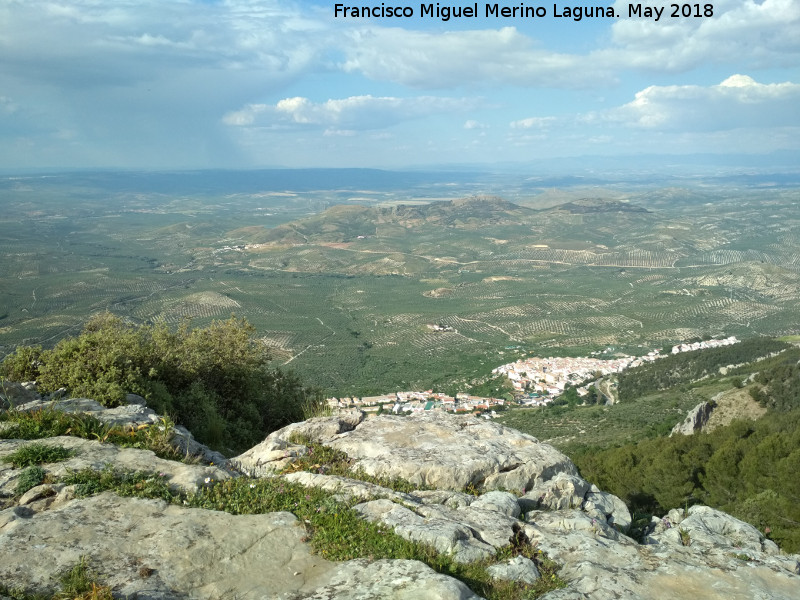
(30, 478)
(37, 454)
(136, 483)
(22, 364)
(214, 380)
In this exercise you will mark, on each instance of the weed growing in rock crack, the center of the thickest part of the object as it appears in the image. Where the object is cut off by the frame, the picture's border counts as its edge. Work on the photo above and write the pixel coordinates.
(79, 583)
(328, 461)
(30, 478)
(136, 483)
(37, 454)
(21, 594)
(686, 539)
(742, 556)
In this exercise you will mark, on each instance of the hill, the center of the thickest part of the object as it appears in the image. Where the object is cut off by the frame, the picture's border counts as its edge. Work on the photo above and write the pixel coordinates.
(342, 282)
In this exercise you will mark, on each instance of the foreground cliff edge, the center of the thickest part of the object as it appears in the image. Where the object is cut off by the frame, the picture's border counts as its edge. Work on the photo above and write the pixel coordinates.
(470, 490)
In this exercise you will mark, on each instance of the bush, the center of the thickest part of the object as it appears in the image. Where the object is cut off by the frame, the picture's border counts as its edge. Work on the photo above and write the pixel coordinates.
(214, 380)
(37, 454)
(30, 478)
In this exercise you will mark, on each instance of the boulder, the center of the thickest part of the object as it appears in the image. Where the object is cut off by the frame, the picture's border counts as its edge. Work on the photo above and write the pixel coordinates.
(608, 507)
(13, 394)
(708, 527)
(428, 449)
(518, 568)
(561, 492)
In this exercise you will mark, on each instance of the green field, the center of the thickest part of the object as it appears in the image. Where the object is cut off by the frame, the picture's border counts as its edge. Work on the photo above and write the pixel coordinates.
(347, 296)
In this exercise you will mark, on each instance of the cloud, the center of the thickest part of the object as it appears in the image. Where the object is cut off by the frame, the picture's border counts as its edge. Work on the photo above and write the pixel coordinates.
(146, 82)
(737, 102)
(737, 115)
(346, 114)
(471, 124)
(744, 32)
(477, 58)
(533, 123)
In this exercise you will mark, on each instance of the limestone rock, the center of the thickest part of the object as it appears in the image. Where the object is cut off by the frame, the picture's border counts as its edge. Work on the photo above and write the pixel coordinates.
(13, 394)
(708, 527)
(391, 579)
(500, 502)
(447, 498)
(277, 450)
(429, 449)
(95, 455)
(561, 492)
(695, 420)
(603, 505)
(601, 563)
(518, 568)
(202, 554)
(434, 527)
(197, 553)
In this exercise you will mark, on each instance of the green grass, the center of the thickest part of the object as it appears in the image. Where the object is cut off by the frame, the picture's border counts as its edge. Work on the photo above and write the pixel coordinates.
(134, 484)
(78, 583)
(334, 530)
(48, 422)
(37, 454)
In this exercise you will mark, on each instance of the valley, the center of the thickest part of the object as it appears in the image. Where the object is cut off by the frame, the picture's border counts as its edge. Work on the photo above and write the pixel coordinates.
(401, 282)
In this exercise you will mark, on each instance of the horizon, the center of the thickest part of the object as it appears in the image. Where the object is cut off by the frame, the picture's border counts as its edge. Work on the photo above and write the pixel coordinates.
(240, 85)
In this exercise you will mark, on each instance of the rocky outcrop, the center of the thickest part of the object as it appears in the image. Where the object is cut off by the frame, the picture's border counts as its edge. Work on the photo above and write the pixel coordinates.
(486, 488)
(149, 549)
(695, 420)
(432, 450)
(134, 413)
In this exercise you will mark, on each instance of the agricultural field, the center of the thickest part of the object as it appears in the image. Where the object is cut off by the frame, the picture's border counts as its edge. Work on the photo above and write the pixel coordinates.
(344, 283)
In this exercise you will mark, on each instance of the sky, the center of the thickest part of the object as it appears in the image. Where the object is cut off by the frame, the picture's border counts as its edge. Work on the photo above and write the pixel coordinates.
(189, 84)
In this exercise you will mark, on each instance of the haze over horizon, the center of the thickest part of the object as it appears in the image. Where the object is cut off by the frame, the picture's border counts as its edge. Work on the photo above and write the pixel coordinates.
(254, 83)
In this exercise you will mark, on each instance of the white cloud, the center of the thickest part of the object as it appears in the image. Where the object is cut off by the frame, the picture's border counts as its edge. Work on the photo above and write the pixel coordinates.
(743, 32)
(737, 102)
(477, 58)
(348, 114)
(737, 115)
(533, 123)
(473, 124)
